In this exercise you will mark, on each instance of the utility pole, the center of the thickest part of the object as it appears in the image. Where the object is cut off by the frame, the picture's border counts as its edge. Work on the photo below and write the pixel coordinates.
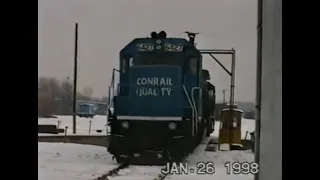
(75, 78)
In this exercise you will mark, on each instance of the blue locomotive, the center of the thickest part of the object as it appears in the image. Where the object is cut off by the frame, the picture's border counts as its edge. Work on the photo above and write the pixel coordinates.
(164, 105)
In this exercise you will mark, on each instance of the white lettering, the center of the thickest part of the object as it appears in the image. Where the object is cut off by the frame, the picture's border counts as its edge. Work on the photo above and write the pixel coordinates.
(142, 91)
(166, 91)
(156, 81)
(150, 81)
(169, 82)
(144, 81)
(138, 81)
(154, 91)
(162, 91)
(162, 82)
(169, 91)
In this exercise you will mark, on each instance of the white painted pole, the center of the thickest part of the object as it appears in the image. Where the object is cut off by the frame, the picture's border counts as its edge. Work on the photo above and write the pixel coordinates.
(270, 153)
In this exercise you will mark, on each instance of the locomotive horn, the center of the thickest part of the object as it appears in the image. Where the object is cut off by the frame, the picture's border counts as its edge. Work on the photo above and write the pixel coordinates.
(162, 34)
(154, 35)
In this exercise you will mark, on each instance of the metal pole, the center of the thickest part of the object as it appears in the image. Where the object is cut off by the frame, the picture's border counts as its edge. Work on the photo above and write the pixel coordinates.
(224, 96)
(65, 134)
(232, 95)
(233, 69)
(75, 78)
(90, 126)
(258, 88)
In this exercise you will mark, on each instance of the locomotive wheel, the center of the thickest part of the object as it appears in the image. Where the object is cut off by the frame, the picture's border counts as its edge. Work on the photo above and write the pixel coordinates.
(198, 138)
(121, 159)
(189, 146)
(201, 134)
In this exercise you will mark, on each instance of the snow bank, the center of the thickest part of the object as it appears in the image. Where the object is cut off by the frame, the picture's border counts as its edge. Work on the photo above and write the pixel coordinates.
(57, 161)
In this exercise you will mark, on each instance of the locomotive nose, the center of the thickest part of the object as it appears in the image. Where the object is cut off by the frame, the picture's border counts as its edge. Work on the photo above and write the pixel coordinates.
(157, 89)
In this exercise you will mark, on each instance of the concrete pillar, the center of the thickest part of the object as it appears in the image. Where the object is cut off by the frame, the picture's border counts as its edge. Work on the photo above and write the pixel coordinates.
(271, 94)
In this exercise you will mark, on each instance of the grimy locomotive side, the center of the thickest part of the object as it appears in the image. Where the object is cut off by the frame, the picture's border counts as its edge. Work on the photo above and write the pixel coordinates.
(164, 104)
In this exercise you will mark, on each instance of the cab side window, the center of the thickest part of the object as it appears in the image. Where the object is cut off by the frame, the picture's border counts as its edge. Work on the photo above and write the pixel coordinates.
(211, 94)
(131, 63)
(124, 66)
(193, 65)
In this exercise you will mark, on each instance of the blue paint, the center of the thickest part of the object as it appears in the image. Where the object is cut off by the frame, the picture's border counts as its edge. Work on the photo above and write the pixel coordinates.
(156, 89)
(152, 73)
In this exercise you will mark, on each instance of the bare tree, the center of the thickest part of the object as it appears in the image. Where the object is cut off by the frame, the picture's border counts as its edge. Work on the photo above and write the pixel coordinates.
(45, 98)
(43, 84)
(56, 97)
(54, 87)
(87, 91)
(66, 88)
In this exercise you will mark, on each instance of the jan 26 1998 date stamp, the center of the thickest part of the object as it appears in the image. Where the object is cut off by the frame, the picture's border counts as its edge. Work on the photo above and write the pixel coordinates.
(241, 167)
(184, 168)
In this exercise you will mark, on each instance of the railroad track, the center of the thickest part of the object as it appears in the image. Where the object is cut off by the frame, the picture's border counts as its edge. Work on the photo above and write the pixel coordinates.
(161, 176)
(112, 172)
(158, 175)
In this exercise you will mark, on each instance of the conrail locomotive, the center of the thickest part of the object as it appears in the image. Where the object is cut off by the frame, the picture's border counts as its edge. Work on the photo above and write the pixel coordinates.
(164, 104)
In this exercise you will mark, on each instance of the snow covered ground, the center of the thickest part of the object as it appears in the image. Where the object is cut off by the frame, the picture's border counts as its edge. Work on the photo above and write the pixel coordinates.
(99, 123)
(58, 161)
(219, 159)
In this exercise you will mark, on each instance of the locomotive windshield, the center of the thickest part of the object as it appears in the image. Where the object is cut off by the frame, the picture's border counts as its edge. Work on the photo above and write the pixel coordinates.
(186, 62)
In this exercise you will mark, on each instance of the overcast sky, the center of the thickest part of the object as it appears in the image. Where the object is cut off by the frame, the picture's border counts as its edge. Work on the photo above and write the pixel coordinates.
(106, 26)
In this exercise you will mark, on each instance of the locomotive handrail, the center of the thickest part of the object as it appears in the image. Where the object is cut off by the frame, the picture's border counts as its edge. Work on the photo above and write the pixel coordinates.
(195, 107)
(186, 92)
(111, 87)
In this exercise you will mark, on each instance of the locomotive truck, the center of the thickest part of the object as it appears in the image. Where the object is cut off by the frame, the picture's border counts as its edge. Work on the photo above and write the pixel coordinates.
(164, 103)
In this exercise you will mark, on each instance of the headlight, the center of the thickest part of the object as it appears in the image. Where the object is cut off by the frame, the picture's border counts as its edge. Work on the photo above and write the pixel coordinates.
(125, 125)
(172, 126)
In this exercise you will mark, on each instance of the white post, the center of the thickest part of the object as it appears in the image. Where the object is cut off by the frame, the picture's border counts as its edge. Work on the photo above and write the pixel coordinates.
(270, 153)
